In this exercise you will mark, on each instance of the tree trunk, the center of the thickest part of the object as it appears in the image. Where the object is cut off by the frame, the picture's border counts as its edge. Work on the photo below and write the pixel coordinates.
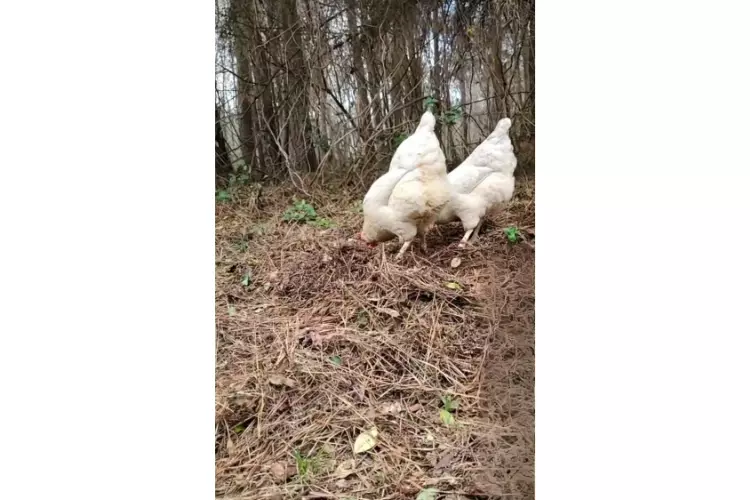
(363, 102)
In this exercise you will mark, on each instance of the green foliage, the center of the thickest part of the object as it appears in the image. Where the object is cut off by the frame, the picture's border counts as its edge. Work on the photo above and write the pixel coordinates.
(223, 196)
(449, 403)
(239, 179)
(452, 116)
(235, 181)
(511, 233)
(247, 279)
(336, 360)
(430, 104)
(238, 429)
(322, 222)
(307, 465)
(303, 213)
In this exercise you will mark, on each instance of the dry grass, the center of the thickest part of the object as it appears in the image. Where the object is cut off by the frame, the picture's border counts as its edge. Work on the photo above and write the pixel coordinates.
(331, 338)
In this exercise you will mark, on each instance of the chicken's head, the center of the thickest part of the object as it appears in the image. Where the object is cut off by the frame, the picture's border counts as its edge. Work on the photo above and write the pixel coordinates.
(361, 236)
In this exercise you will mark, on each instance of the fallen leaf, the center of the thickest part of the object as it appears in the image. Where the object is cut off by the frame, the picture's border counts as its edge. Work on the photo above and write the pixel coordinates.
(281, 472)
(452, 285)
(429, 438)
(232, 310)
(273, 276)
(428, 494)
(456, 262)
(342, 483)
(336, 360)
(366, 441)
(445, 462)
(345, 469)
(447, 417)
(317, 339)
(437, 480)
(392, 408)
(230, 445)
(280, 380)
(390, 312)
(415, 407)
(266, 286)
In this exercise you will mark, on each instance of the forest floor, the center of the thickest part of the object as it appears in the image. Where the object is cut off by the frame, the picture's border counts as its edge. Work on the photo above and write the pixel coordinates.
(320, 340)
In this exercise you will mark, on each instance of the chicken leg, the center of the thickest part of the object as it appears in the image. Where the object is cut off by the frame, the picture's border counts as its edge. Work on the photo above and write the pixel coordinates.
(463, 241)
(475, 235)
(401, 252)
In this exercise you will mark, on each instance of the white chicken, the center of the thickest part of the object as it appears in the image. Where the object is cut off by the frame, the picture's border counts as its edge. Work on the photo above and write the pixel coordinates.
(405, 201)
(422, 145)
(482, 182)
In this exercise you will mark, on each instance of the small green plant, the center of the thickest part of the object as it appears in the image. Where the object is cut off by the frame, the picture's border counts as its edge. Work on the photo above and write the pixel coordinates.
(301, 211)
(336, 360)
(308, 465)
(304, 213)
(322, 222)
(238, 429)
(239, 179)
(430, 104)
(223, 196)
(452, 116)
(247, 279)
(450, 405)
(511, 233)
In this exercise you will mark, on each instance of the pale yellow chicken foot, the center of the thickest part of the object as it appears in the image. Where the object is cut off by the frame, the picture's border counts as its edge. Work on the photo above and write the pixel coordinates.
(403, 250)
(463, 241)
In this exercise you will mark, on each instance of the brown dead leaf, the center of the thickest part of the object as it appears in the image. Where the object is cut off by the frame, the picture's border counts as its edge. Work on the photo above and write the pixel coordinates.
(437, 480)
(390, 312)
(391, 408)
(281, 472)
(455, 262)
(345, 468)
(280, 380)
(445, 462)
(415, 408)
(318, 339)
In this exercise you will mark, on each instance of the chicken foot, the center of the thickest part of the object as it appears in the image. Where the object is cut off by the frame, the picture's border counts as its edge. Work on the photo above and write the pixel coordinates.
(401, 252)
(474, 233)
(463, 241)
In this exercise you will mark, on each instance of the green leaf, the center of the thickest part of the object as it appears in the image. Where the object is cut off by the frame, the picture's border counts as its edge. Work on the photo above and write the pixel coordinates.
(238, 428)
(223, 196)
(447, 417)
(428, 494)
(246, 279)
(511, 233)
(336, 360)
(453, 285)
(449, 403)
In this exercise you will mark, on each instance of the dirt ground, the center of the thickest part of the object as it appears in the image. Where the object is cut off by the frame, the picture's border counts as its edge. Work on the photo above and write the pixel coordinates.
(320, 340)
